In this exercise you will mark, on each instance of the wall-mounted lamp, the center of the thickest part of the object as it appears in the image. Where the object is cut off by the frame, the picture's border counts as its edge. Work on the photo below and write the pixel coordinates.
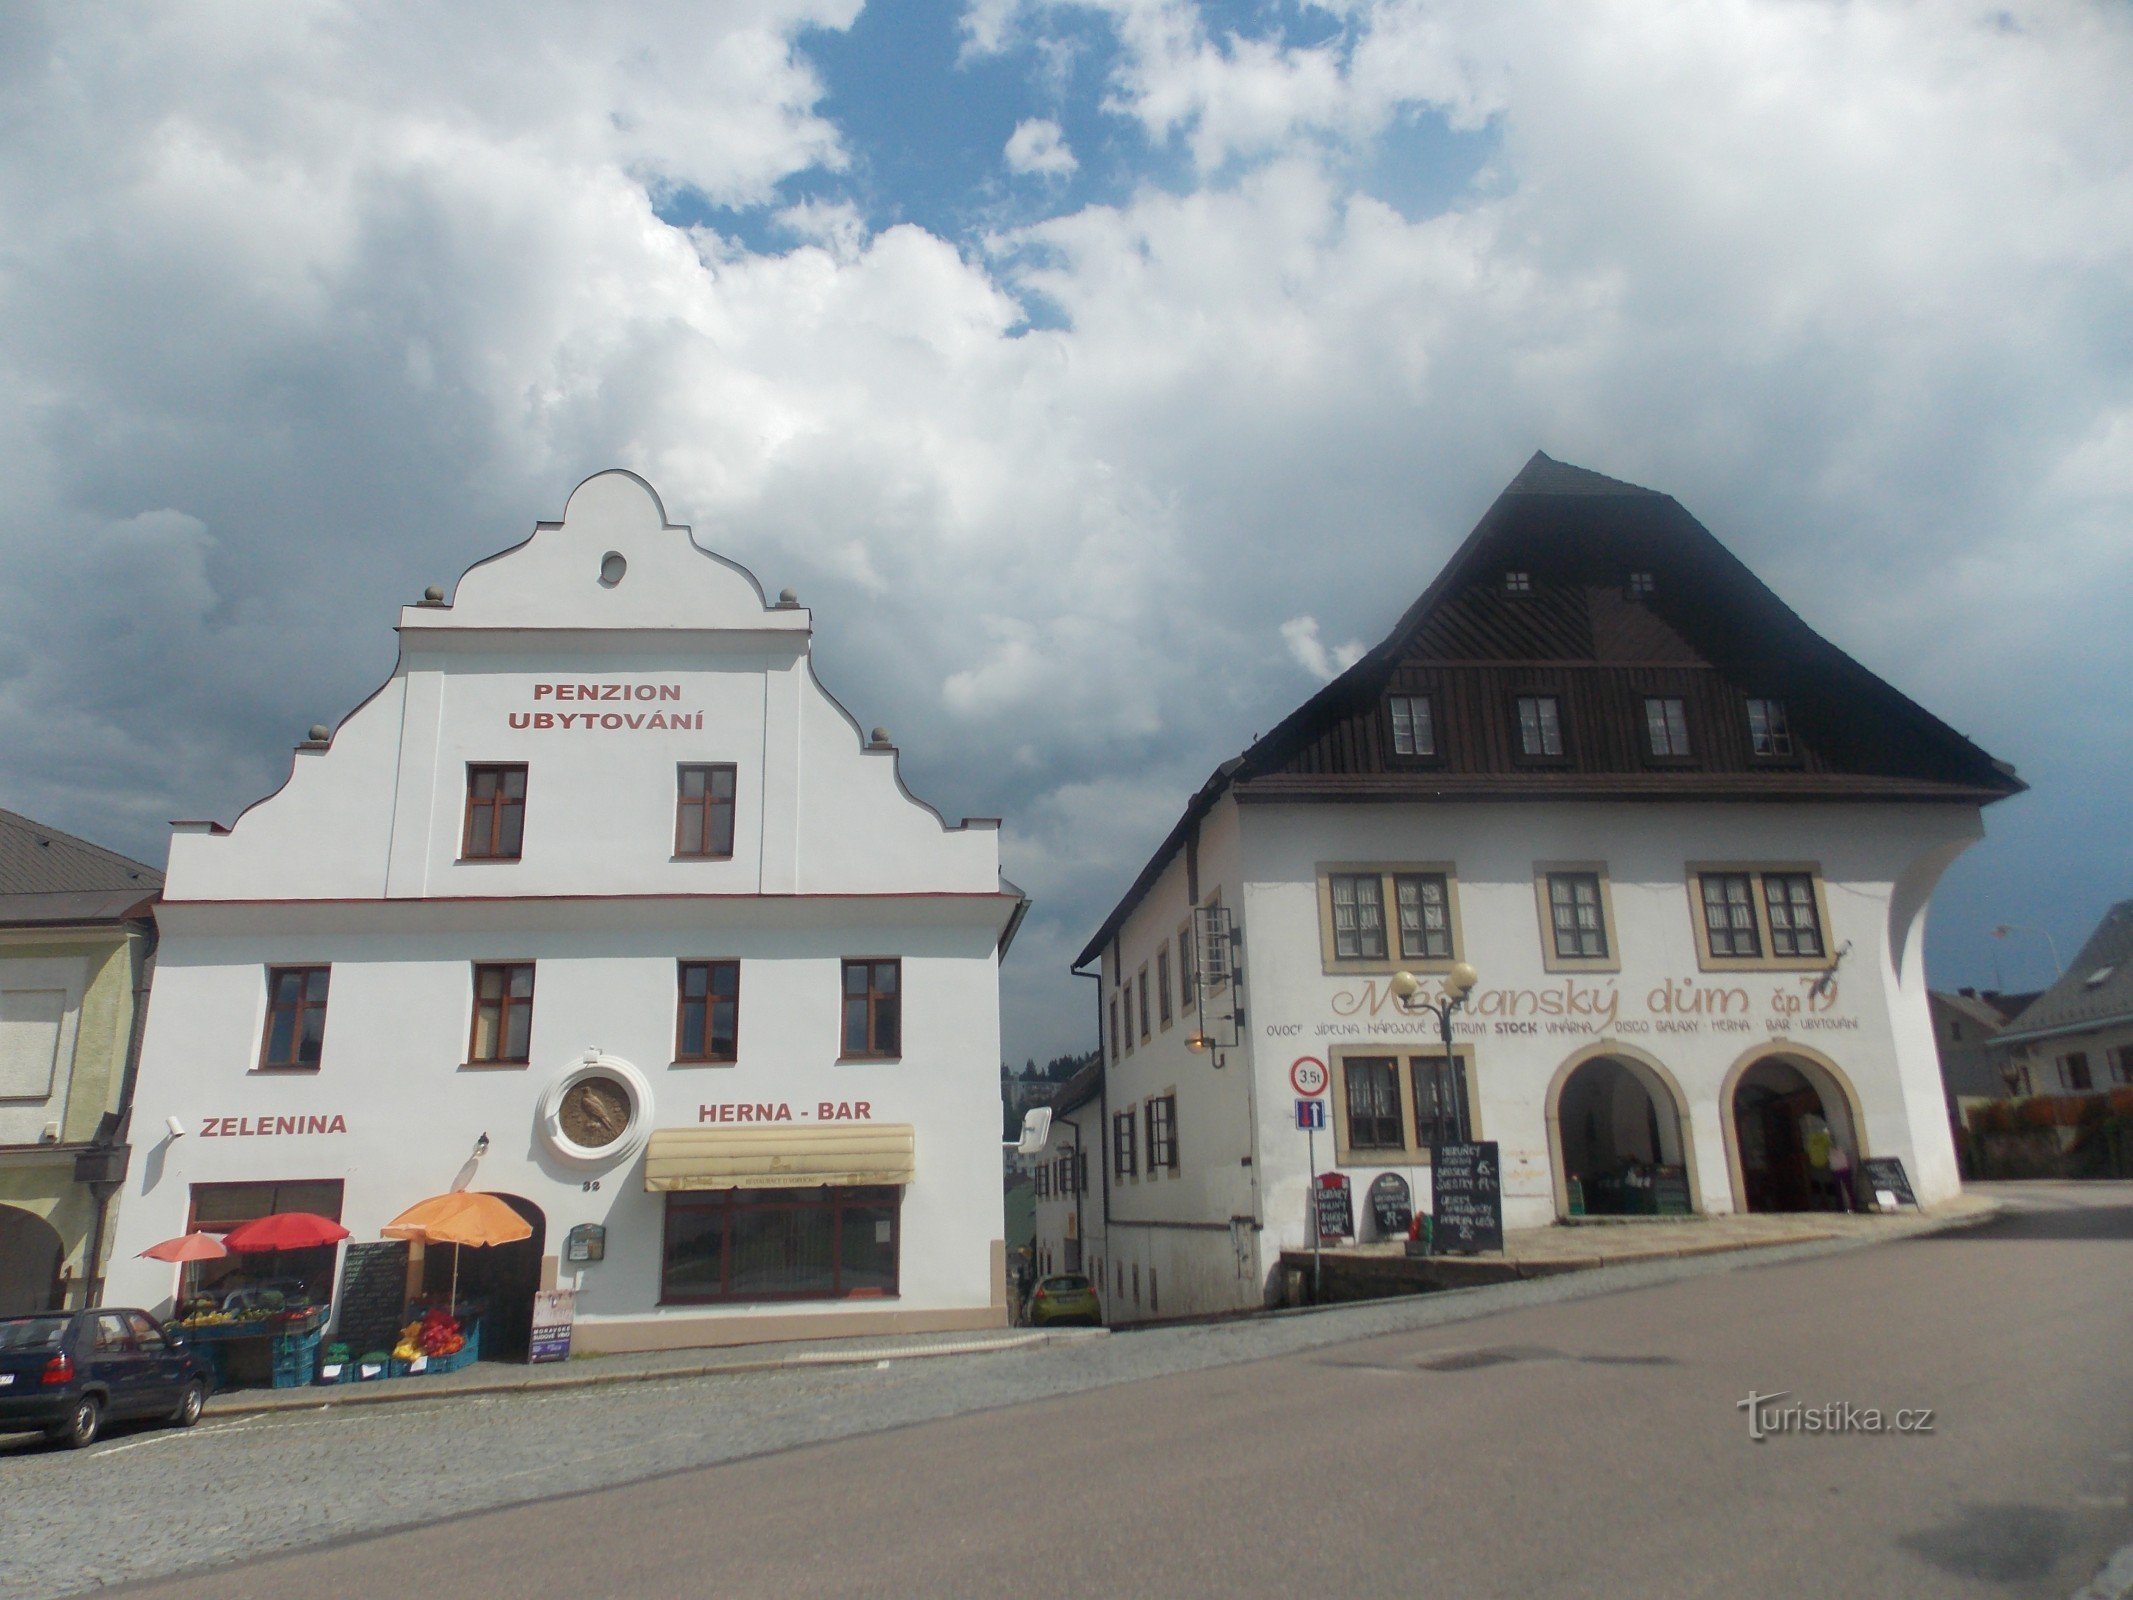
(481, 1145)
(1196, 1042)
(177, 1128)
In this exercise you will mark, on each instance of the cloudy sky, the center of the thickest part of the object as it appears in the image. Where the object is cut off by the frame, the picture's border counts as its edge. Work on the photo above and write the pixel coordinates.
(1099, 372)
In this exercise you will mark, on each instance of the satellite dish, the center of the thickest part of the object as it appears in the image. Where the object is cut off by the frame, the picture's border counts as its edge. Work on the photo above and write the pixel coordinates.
(1036, 1128)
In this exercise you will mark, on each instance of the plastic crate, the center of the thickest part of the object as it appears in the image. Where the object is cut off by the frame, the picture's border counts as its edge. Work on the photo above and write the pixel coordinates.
(466, 1355)
(295, 1359)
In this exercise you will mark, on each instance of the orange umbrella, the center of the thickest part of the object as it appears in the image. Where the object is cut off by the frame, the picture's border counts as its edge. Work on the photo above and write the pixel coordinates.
(462, 1217)
(187, 1247)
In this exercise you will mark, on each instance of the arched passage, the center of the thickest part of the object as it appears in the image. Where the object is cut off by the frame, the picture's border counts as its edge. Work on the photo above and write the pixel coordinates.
(1794, 1135)
(1616, 1139)
(31, 1252)
(496, 1282)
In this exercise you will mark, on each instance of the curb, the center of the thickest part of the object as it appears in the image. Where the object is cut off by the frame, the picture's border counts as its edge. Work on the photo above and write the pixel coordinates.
(335, 1396)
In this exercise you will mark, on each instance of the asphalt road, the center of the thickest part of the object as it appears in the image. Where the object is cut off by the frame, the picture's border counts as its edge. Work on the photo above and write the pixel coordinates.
(1586, 1441)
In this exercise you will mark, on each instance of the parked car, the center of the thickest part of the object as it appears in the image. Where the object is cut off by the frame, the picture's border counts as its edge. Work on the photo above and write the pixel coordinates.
(1064, 1297)
(65, 1374)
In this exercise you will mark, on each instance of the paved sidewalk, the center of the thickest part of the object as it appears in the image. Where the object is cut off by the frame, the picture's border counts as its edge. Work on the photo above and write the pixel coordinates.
(490, 1377)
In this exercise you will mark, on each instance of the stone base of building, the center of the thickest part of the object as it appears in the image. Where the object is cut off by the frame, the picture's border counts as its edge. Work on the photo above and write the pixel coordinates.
(692, 1333)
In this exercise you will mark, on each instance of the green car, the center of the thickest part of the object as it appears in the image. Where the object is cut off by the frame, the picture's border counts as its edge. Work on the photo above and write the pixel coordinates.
(1064, 1297)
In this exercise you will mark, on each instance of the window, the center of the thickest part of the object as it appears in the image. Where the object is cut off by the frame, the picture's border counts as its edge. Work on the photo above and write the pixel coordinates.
(296, 1019)
(1044, 1181)
(1114, 1026)
(703, 817)
(780, 1244)
(1576, 918)
(218, 1207)
(1358, 916)
(710, 1020)
(496, 813)
(1729, 916)
(1440, 1100)
(1185, 996)
(1081, 1173)
(873, 1009)
(1163, 1132)
(1155, 1298)
(1795, 925)
(1144, 1004)
(1162, 985)
(1640, 585)
(2074, 1070)
(1666, 726)
(1769, 735)
(1414, 730)
(1424, 903)
(2124, 1058)
(1126, 989)
(1123, 1160)
(1373, 1103)
(1517, 582)
(503, 1013)
(1540, 726)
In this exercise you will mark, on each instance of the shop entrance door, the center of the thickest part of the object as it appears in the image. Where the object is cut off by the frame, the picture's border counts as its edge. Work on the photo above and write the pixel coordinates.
(1786, 1138)
(496, 1283)
(1621, 1141)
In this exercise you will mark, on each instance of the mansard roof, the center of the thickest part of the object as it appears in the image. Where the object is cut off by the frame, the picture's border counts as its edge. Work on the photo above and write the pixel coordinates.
(1698, 625)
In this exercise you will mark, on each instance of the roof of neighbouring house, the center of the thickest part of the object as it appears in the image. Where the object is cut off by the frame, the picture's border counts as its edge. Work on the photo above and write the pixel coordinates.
(50, 877)
(2096, 989)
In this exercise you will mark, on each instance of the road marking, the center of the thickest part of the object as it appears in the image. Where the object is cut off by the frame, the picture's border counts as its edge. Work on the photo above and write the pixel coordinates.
(171, 1437)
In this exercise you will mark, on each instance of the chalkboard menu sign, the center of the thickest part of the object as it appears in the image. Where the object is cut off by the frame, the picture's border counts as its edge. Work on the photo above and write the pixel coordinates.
(1334, 1207)
(373, 1295)
(1466, 1198)
(1392, 1205)
(1879, 1175)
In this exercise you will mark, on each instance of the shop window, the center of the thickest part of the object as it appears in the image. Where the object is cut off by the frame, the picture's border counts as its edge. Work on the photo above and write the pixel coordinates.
(703, 823)
(1163, 1132)
(873, 1009)
(1795, 924)
(1729, 915)
(1162, 986)
(1358, 916)
(1124, 1158)
(1575, 917)
(1371, 1088)
(296, 1019)
(1769, 734)
(1424, 901)
(1666, 727)
(1540, 726)
(503, 1014)
(496, 813)
(709, 1027)
(1414, 726)
(2074, 1071)
(298, 1276)
(780, 1244)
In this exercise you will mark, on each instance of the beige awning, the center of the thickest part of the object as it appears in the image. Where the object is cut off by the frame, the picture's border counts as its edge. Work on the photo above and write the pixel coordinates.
(786, 1156)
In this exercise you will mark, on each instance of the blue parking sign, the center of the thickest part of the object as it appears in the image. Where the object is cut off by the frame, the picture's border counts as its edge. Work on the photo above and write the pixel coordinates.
(1310, 1114)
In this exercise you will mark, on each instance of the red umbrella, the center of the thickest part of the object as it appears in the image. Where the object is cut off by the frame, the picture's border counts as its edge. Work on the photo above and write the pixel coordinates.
(285, 1230)
(187, 1247)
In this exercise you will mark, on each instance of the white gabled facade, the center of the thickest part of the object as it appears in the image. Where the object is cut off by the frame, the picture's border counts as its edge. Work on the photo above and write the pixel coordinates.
(601, 655)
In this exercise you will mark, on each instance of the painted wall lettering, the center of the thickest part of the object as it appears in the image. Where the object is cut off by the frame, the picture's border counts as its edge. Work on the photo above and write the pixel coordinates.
(270, 1127)
(757, 1111)
(611, 721)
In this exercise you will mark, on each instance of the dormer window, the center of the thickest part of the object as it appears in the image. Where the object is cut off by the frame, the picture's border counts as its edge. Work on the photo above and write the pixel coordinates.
(1414, 728)
(1666, 727)
(1540, 726)
(1640, 585)
(1518, 582)
(1769, 734)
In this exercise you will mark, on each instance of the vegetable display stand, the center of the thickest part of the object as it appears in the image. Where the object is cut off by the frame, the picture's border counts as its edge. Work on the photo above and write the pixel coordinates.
(465, 1356)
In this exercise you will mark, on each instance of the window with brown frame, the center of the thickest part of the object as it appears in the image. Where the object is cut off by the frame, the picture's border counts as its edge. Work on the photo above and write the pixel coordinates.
(1372, 1088)
(1439, 1087)
(1126, 990)
(1540, 726)
(1163, 1132)
(1114, 1025)
(1795, 922)
(1729, 915)
(1577, 916)
(1666, 727)
(1123, 1158)
(873, 1009)
(1769, 734)
(1185, 996)
(1144, 1004)
(703, 819)
(780, 1244)
(503, 1013)
(1162, 985)
(496, 813)
(1414, 725)
(1358, 915)
(2074, 1070)
(708, 1027)
(1423, 900)
(296, 1019)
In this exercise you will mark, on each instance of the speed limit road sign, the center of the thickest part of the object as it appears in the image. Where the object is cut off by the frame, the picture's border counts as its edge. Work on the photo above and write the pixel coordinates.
(1308, 1076)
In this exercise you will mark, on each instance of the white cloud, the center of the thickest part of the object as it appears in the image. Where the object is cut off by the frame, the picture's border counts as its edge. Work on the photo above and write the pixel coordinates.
(1300, 634)
(1036, 146)
(304, 310)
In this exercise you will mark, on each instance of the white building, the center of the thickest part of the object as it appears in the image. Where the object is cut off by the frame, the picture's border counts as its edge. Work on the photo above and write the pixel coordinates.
(603, 904)
(1686, 843)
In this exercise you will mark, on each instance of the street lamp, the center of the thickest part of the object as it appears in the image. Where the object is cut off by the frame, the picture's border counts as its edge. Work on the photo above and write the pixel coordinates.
(1458, 984)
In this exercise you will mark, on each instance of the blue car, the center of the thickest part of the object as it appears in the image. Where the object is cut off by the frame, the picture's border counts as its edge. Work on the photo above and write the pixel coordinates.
(65, 1374)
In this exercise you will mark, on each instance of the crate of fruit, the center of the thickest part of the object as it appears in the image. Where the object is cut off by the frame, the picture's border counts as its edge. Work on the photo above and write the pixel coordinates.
(466, 1355)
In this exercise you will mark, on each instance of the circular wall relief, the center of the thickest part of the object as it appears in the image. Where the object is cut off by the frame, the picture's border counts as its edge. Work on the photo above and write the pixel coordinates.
(597, 1112)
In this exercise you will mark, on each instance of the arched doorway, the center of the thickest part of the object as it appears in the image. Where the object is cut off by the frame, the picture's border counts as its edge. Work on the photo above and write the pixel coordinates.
(31, 1252)
(1618, 1141)
(1794, 1138)
(496, 1283)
